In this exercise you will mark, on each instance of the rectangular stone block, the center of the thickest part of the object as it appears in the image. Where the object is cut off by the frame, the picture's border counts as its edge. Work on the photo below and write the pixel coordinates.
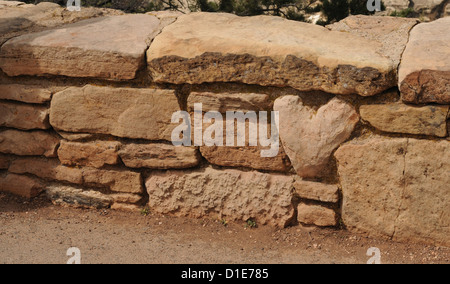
(34, 143)
(24, 117)
(316, 215)
(123, 112)
(229, 194)
(317, 191)
(21, 185)
(91, 154)
(397, 188)
(25, 93)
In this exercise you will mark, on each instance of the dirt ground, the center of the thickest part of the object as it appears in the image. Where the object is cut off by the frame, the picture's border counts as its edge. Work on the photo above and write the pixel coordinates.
(39, 232)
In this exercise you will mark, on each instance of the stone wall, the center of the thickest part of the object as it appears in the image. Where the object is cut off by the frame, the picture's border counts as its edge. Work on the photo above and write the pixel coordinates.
(87, 105)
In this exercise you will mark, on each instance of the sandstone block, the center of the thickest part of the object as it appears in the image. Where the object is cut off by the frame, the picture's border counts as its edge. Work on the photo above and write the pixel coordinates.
(424, 73)
(316, 215)
(35, 143)
(317, 191)
(25, 93)
(122, 112)
(92, 154)
(269, 51)
(21, 185)
(232, 194)
(159, 156)
(397, 188)
(224, 102)
(24, 117)
(401, 118)
(311, 135)
(108, 48)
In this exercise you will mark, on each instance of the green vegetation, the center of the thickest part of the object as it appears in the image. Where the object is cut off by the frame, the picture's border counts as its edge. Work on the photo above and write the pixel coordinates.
(333, 10)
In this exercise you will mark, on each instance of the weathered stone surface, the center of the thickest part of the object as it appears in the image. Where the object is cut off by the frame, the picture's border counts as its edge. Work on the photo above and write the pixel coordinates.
(247, 157)
(4, 162)
(25, 93)
(159, 156)
(125, 207)
(21, 185)
(224, 102)
(268, 51)
(77, 197)
(49, 169)
(165, 17)
(93, 154)
(424, 73)
(125, 198)
(108, 48)
(316, 215)
(122, 112)
(232, 194)
(35, 143)
(18, 19)
(310, 136)
(410, 202)
(115, 180)
(76, 136)
(401, 118)
(24, 117)
(317, 191)
(391, 32)
(241, 155)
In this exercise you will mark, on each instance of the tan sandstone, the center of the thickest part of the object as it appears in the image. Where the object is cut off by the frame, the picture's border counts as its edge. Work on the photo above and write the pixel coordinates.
(424, 73)
(34, 143)
(93, 154)
(122, 112)
(159, 156)
(316, 191)
(230, 194)
(109, 48)
(24, 117)
(401, 118)
(316, 215)
(311, 135)
(21, 185)
(411, 200)
(268, 51)
(25, 93)
(224, 102)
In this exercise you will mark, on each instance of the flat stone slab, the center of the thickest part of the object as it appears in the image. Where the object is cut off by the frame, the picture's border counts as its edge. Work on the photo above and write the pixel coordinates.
(401, 118)
(28, 143)
(25, 93)
(227, 194)
(411, 200)
(268, 51)
(122, 112)
(24, 186)
(424, 73)
(23, 116)
(110, 48)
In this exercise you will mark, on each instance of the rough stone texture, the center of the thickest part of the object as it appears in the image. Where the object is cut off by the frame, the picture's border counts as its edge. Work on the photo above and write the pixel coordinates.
(310, 136)
(317, 191)
(401, 118)
(93, 154)
(247, 157)
(21, 185)
(24, 117)
(125, 198)
(410, 202)
(424, 73)
(122, 112)
(108, 48)
(316, 215)
(159, 156)
(25, 93)
(4, 162)
(232, 194)
(224, 102)
(269, 51)
(34, 143)
(76, 136)
(77, 197)
(21, 18)
(120, 181)
(391, 32)
(165, 17)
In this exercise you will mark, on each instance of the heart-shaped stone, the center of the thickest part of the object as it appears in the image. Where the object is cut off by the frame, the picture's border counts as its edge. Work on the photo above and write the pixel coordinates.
(310, 136)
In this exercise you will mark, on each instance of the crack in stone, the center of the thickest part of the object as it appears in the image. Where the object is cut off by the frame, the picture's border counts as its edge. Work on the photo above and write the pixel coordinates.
(403, 191)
